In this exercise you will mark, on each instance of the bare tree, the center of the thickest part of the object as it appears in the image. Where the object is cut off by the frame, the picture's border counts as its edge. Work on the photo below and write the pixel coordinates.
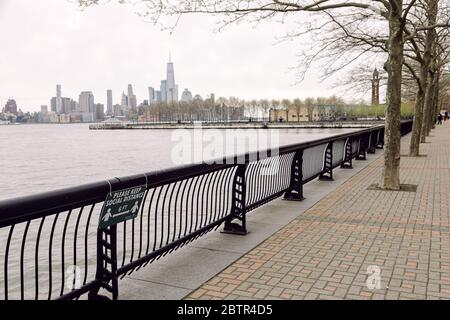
(340, 13)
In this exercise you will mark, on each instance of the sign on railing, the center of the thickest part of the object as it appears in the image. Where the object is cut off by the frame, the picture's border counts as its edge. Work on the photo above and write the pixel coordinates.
(121, 206)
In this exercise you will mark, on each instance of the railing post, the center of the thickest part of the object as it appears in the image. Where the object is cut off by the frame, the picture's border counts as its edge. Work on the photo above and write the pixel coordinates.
(238, 209)
(106, 264)
(371, 145)
(362, 148)
(327, 172)
(348, 157)
(380, 142)
(295, 191)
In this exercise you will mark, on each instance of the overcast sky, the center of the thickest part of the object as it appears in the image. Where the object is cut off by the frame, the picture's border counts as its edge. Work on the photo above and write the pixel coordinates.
(45, 42)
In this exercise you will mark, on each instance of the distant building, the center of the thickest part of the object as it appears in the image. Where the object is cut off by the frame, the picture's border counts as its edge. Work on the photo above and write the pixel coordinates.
(376, 88)
(151, 95)
(109, 102)
(186, 96)
(163, 90)
(124, 100)
(11, 107)
(168, 90)
(44, 109)
(198, 97)
(132, 101)
(171, 87)
(99, 112)
(117, 110)
(58, 100)
(66, 105)
(86, 101)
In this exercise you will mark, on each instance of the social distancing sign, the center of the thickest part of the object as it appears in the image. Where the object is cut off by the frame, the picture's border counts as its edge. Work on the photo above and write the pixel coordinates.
(121, 205)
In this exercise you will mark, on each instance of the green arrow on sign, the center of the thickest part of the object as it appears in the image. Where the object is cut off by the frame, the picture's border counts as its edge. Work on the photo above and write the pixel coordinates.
(121, 205)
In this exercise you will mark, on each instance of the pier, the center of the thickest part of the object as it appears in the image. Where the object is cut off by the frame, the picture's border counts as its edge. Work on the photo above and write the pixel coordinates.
(234, 125)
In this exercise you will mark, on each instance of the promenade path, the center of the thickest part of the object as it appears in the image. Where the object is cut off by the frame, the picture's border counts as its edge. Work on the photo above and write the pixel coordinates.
(330, 250)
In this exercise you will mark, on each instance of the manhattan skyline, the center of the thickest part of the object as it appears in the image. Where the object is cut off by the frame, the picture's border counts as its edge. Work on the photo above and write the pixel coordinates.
(110, 46)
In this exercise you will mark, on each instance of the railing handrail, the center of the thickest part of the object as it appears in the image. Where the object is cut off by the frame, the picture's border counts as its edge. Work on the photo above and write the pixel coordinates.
(20, 209)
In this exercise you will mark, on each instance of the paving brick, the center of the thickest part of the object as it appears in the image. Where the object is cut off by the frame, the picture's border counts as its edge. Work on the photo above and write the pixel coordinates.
(326, 252)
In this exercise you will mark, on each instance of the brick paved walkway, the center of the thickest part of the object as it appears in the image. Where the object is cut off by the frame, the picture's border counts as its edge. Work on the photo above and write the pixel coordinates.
(325, 253)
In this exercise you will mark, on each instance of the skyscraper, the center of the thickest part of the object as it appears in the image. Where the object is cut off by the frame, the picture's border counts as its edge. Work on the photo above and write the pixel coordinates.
(109, 103)
(163, 90)
(59, 105)
(151, 95)
(132, 101)
(86, 101)
(124, 100)
(171, 87)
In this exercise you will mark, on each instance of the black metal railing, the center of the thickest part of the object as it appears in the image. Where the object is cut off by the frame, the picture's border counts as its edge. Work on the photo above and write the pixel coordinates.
(51, 246)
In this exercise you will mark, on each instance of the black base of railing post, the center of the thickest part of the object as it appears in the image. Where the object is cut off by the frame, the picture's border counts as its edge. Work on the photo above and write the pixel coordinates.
(327, 172)
(106, 243)
(295, 191)
(348, 160)
(238, 209)
(362, 149)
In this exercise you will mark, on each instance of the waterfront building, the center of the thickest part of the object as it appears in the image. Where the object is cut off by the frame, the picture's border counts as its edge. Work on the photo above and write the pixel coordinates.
(109, 102)
(53, 104)
(171, 87)
(44, 109)
(58, 100)
(11, 107)
(124, 100)
(132, 100)
(168, 90)
(117, 110)
(163, 90)
(86, 101)
(151, 95)
(99, 112)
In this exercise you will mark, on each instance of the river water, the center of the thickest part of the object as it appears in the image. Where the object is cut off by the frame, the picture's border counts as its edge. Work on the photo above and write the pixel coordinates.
(38, 158)
(44, 157)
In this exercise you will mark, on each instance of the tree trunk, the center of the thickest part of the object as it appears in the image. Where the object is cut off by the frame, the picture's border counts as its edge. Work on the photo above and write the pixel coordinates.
(429, 59)
(414, 144)
(391, 169)
(429, 107)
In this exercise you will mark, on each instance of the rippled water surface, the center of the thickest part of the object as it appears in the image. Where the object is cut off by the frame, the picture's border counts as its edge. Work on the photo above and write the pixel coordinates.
(38, 158)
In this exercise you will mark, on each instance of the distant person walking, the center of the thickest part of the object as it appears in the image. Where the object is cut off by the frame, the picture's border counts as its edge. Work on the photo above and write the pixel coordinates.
(446, 116)
(439, 119)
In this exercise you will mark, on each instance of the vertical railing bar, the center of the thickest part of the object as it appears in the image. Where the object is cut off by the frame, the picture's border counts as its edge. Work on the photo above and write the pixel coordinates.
(8, 243)
(198, 199)
(189, 197)
(162, 215)
(186, 182)
(75, 246)
(63, 271)
(141, 218)
(50, 271)
(86, 244)
(124, 254)
(202, 200)
(148, 220)
(169, 211)
(156, 217)
(22, 253)
(36, 258)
